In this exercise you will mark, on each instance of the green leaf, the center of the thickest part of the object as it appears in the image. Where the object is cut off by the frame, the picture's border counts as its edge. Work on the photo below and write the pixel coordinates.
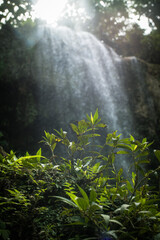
(95, 116)
(129, 186)
(92, 119)
(124, 207)
(106, 219)
(145, 212)
(84, 194)
(28, 157)
(33, 179)
(133, 178)
(113, 234)
(157, 154)
(92, 135)
(93, 196)
(73, 197)
(131, 138)
(120, 172)
(74, 128)
(143, 161)
(145, 153)
(66, 200)
(117, 222)
(82, 203)
(97, 167)
(122, 152)
(120, 145)
(39, 152)
(101, 125)
(88, 117)
(82, 127)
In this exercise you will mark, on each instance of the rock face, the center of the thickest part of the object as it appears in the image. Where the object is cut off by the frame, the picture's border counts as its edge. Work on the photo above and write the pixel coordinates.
(64, 76)
(143, 86)
(153, 83)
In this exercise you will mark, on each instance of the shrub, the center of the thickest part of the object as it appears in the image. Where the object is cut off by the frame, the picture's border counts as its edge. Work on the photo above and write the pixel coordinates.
(79, 192)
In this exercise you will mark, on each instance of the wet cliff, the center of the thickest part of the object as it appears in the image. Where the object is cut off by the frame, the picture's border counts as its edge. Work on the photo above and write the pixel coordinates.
(58, 76)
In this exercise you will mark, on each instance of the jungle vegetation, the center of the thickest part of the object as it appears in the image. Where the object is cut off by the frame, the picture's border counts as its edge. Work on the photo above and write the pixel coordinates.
(78, 192)
(107, 19)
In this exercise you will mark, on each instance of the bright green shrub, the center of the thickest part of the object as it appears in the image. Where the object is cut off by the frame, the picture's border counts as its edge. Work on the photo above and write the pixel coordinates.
(79, 192)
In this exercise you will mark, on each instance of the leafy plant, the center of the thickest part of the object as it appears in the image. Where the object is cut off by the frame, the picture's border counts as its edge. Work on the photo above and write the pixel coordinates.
(80, 192)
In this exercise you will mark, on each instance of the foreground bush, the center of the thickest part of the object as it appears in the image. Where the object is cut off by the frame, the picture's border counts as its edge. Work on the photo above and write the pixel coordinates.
(79, 193)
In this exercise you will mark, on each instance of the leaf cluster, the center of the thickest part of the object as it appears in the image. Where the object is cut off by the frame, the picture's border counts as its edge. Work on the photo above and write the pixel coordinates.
(82, 194)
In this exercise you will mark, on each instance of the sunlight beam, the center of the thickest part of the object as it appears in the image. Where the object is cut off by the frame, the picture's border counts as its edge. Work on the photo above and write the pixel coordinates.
(49, 10)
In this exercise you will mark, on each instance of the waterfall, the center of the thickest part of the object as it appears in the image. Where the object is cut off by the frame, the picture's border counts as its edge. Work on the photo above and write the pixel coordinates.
(77, 75)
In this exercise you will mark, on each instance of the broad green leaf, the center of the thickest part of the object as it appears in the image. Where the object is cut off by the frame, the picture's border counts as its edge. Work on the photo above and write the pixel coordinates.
(129, 186)
(112, 156)
(66, 200)
(88, 162)
(53, 146)
(92, 119)
(131, 138)
(113, 234)
(145, 212)
(84, 194)
(142, 201)
(124, 207)
(143, 161)
(142, 154)
(122, 152)
(28, 157)
(82, 203)
(120, 172)
(96, 168)
(106, 219)
(133, 178)
(144, 140)
(125, 141)
(157, 154)
(95, 116)
(39, 152)
(73, 197)
(117, 222)
(88, 117)
(92, 196)
(120, 145)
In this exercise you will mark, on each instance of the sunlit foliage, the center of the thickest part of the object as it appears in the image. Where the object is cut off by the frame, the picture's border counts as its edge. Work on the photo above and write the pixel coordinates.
(78, 192)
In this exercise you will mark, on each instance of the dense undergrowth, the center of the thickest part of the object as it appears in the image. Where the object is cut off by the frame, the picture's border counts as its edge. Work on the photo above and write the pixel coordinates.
(79, 192)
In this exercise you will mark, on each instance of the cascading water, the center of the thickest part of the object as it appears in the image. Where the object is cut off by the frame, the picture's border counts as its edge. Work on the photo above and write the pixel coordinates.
(78, 74)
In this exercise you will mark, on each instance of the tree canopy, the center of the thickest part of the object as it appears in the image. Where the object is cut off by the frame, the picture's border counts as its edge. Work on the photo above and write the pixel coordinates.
(109, 20)
(15, 11)
(151, 9)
